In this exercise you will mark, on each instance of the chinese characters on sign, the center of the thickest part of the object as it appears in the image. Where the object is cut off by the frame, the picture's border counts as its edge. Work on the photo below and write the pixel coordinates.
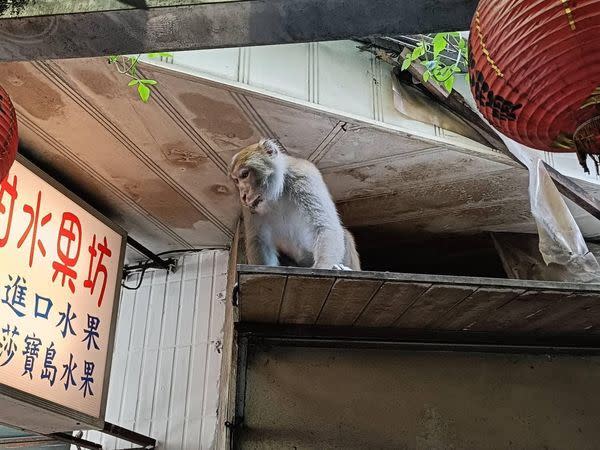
(59, 271)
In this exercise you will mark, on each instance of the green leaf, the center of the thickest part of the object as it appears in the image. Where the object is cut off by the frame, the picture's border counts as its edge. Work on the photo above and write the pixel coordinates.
(133, 82)
(149, 81)
(166, 54)
(449, 83)
(439, 44)
(144, 92)
(417, 52)
(406, 64)
(445, 72)
(153, 55)
(426, 76)
(112, 59)
(468, 78)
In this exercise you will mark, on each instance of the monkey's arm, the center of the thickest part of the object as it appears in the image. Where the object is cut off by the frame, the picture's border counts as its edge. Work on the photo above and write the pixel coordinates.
(261, 253)
(259, 246)
(329, 244)
(329, 247)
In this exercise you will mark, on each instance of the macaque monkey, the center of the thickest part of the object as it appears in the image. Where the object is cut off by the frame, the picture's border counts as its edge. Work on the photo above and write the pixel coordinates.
(289, 215)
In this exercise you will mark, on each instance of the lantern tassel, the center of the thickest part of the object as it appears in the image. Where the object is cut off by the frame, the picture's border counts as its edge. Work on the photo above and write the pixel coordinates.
(596, 160)
(582, 157)
(586, 140)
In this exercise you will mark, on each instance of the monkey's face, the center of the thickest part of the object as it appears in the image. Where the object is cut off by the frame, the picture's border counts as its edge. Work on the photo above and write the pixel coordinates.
(249, 183)
(252, 170)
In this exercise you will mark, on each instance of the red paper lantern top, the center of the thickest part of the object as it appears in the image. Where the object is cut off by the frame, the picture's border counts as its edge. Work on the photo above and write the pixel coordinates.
(9, 134)
(535, 72)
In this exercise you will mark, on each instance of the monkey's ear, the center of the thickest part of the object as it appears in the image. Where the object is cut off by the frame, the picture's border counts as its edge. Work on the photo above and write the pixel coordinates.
(272, 147)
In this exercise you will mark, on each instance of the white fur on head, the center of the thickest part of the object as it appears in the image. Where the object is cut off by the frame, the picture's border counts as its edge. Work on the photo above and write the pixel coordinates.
(272, 146)
(276, 152)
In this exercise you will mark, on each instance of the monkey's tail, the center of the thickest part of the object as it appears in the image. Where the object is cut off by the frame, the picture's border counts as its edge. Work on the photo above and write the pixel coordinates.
(351, 258)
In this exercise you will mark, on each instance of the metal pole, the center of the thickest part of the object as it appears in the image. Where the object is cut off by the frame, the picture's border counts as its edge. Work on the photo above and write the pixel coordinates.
(128, 435)
(161, 263)
(78, 442)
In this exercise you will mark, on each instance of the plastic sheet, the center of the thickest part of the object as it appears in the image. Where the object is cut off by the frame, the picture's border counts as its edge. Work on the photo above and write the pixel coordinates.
(561, 241)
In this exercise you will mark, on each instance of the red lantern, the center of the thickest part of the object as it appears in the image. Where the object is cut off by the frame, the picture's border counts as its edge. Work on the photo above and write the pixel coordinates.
(535, 72)
(9, 134)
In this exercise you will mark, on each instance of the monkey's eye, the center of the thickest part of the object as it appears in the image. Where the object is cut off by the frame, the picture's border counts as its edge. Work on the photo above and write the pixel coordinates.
(244, 174)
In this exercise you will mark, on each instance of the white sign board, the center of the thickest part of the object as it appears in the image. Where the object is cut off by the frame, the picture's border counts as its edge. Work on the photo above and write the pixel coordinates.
(60, 269)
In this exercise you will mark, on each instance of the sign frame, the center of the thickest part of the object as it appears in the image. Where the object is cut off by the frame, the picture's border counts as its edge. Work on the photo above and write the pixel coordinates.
(61, 418)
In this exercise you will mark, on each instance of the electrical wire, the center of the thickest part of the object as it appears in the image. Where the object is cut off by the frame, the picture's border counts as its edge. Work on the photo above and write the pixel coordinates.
(192, 250)
(131, 288)
(144, 266)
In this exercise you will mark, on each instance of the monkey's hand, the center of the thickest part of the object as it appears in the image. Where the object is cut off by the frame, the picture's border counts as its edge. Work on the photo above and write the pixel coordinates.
(340, 267)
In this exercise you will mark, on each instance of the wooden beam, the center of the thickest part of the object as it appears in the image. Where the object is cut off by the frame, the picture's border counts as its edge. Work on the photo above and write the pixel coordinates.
(227, 381)
(217, 25)
(34, 8)
(574, 192)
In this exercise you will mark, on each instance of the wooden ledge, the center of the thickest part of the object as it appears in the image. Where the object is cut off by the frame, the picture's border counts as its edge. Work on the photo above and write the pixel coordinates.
(370, 300)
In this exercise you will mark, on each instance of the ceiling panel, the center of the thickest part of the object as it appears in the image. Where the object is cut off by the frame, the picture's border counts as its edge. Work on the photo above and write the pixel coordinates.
(360, 143)
(317, 130)
(159, 169)
(442, 203)
(401, 172)
(220, 116)
(174, 146)
(95, 138)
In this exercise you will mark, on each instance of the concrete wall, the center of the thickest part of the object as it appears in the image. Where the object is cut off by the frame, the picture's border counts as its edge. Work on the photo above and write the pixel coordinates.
(166, 365)
(340, 398)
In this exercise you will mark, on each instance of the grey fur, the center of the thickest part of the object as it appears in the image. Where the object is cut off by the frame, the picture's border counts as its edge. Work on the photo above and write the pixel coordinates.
(296, 219)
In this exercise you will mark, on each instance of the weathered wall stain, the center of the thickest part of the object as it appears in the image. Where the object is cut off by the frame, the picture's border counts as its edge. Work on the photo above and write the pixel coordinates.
(30, 93)
(160, 200)
(220, 189)
(100, 83)
(176, 154)
(434, 431)
(358, 174)
(224, 122)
